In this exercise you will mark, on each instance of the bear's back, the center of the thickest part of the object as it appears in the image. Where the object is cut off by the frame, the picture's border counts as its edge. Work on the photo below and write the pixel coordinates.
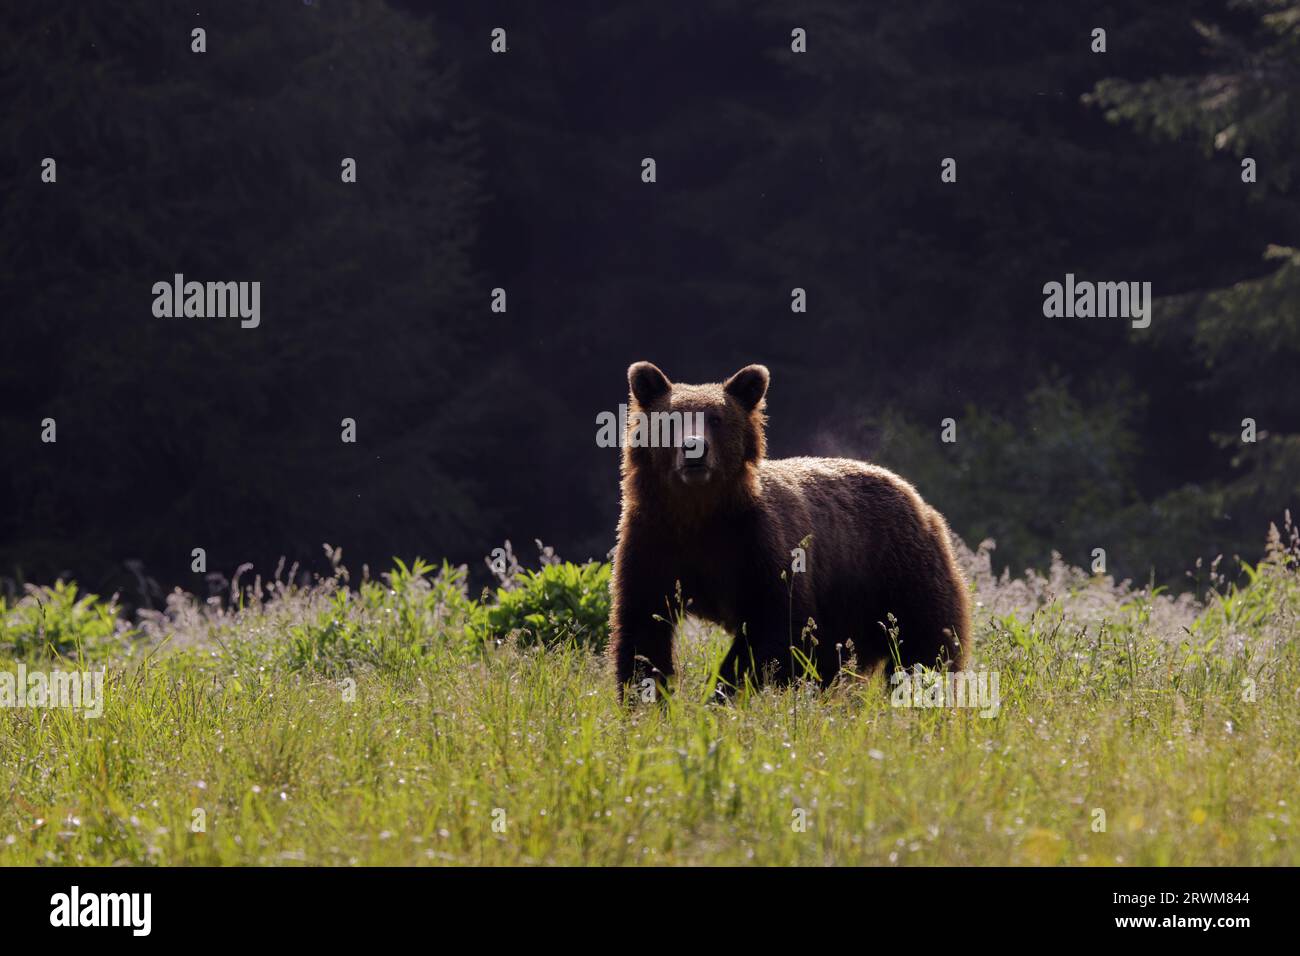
(839, 485)
(877, 549)
(855, 511)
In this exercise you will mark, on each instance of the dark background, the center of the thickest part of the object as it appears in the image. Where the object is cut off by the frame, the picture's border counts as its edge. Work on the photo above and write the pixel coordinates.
(522, 171)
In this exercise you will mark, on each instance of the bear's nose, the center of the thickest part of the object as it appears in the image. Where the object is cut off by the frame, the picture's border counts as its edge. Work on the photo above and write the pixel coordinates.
(694, 449)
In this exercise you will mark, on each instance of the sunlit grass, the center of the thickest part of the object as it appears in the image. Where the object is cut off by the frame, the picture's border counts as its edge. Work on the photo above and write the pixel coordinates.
(445, 753)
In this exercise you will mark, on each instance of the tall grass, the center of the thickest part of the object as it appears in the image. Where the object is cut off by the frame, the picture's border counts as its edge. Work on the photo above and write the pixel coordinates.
(382, 723)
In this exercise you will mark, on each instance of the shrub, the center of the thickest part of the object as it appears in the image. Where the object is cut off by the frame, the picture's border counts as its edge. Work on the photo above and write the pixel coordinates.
(383, 624)
(420, 605)
(56, 618)
(559, 602)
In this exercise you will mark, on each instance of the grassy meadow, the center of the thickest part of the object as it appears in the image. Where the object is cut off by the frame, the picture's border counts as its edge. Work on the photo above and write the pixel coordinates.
(402, 721)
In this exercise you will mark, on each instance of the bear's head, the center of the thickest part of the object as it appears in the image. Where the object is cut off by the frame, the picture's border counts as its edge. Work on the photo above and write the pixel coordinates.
(695, 440)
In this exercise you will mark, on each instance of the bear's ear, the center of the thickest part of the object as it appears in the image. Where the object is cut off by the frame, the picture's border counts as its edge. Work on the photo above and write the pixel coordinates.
(748, 386)
(647, 382)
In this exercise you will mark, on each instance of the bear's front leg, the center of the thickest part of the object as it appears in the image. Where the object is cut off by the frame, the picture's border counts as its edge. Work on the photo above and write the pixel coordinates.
(641, 632)
(642, 646)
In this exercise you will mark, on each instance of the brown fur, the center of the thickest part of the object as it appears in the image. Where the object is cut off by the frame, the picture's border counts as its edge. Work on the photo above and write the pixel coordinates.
(726, 529)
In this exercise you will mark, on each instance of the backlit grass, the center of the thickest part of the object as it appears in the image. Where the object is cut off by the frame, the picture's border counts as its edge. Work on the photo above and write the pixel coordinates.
(1179, 721)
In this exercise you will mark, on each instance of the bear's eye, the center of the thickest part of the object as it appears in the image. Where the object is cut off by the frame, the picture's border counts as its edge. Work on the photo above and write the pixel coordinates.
(713, 418)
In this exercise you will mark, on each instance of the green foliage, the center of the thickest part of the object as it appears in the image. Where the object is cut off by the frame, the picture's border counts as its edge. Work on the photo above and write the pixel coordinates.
(1245, 335)
(560, 602)
(1188, 738)
(383, 625)
(1055, 474)
(1270, 592)
(1243, 104)
(336, 640)
(423, 609)
(423, 599)
(56, 620)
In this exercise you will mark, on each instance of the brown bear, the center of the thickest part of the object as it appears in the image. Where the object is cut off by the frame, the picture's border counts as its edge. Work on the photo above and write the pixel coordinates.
(710, 523)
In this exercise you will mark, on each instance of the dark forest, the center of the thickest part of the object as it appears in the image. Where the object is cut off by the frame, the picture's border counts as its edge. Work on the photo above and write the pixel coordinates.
(522, 171)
